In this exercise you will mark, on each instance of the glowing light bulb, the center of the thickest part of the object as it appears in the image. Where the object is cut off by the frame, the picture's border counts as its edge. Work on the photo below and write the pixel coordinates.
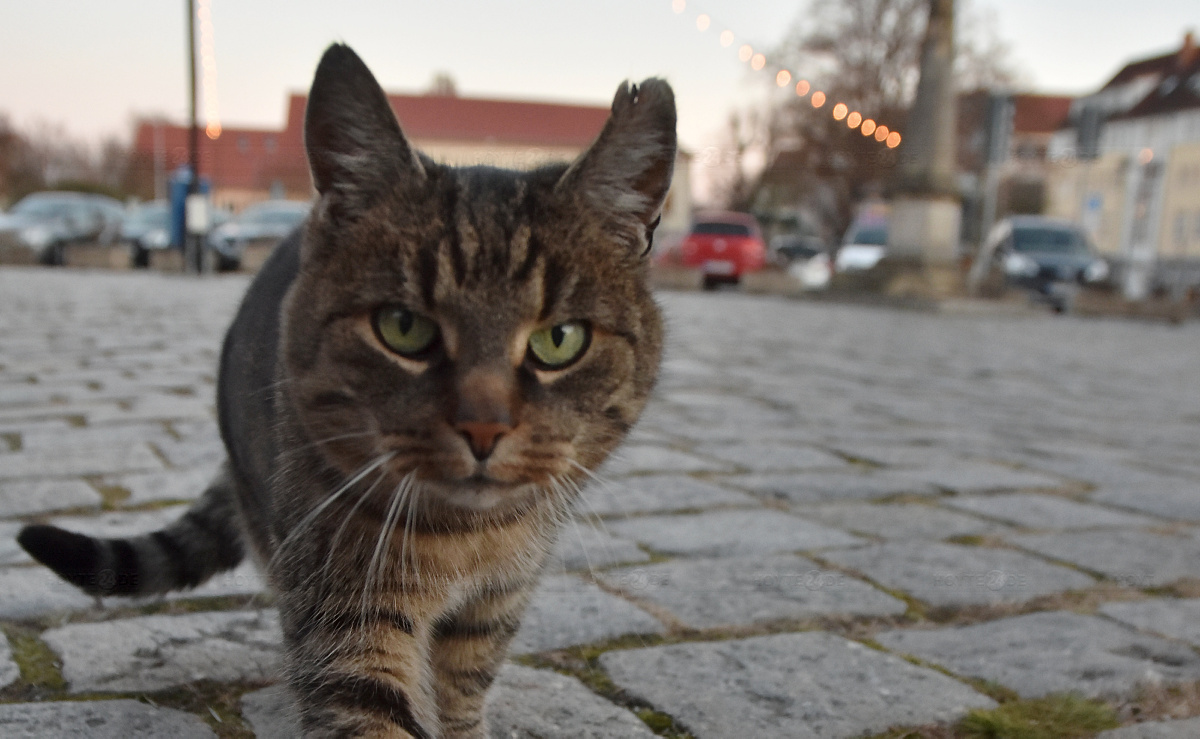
(679, 5)
(703, 21)
(881, 133)
(868, 127)
(745, 52)
(893, 140)
(802, 88)
(818, 99)
(726, 38)
(839, 111)
(854, 119)
(784, 78)
(758, 61)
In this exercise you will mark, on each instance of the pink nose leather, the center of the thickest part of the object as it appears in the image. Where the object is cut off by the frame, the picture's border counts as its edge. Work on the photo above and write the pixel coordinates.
(482, 437)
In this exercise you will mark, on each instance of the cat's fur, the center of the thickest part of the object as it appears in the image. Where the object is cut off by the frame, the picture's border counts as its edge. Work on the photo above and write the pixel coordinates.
(404, 507)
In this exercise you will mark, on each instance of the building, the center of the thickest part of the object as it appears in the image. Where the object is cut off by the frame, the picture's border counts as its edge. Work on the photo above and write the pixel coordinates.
(1004, 162)
(249, 165)
(1135, 181)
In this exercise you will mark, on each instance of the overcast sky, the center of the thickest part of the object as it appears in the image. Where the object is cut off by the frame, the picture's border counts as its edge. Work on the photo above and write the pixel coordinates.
(91, 66)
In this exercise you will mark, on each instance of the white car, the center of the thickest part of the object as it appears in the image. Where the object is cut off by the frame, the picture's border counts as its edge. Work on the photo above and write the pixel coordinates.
(864, 245)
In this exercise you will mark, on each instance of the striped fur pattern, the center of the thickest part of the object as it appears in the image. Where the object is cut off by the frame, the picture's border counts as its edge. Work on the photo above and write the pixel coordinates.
(404, 503)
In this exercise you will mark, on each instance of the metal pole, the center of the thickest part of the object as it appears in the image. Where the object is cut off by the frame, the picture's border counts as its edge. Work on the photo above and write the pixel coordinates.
(193, 248)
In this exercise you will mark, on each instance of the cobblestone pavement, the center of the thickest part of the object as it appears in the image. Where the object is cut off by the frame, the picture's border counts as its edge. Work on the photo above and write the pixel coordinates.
(832, 520)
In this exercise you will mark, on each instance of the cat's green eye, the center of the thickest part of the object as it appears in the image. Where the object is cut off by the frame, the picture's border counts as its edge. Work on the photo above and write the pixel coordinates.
(558, 346)
(405, 332)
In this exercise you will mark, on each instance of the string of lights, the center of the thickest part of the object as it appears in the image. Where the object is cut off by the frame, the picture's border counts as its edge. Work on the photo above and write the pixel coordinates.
(208, 70)
(783, 78)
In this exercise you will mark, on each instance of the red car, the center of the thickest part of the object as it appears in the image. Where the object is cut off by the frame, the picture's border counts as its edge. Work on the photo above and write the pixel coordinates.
(724, 246)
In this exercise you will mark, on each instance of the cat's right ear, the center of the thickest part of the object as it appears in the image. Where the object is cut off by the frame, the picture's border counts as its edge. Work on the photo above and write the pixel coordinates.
(626, 172)
(355, 147)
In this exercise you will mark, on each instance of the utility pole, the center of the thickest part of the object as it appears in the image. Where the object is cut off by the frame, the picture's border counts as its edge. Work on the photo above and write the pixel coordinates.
(923, 234)
(194, 217)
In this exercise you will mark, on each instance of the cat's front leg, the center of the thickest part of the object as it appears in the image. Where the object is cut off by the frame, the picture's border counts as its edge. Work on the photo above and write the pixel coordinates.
(356, 675)
(468, 650)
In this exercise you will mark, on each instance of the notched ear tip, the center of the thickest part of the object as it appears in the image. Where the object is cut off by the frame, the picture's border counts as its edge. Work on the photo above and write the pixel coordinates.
(652, 94)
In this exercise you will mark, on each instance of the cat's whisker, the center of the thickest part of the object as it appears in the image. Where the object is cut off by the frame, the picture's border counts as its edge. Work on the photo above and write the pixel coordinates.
(331, 439)
(385, 535)
(304, 525)
(331, 556)
(409, 527)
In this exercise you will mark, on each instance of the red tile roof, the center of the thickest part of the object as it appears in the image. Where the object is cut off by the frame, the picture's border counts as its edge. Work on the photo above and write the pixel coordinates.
(482, 121)
(253, 159)
(1040, 113)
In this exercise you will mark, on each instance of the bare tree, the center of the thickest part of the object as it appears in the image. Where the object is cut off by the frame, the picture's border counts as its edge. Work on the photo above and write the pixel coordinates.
(863, 53)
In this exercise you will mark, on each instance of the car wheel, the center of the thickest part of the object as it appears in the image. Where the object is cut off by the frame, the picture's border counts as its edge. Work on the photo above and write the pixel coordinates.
(55, 256)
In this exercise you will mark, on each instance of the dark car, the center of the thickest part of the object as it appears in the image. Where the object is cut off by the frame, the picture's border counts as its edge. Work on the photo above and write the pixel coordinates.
(724, 246)
(146, 228)
(261, 222)
(1049, 257)
(44, 223)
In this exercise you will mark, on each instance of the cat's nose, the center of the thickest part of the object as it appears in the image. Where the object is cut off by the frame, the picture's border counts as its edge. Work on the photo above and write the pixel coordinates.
(485, 410)
(482, 437)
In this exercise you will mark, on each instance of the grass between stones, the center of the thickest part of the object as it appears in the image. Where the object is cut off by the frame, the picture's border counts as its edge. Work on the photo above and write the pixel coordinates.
(1052, 717)
(1060, 716)
(217, 704)
(12, 441)
(41, 674)
(111, 496)
(583, 663)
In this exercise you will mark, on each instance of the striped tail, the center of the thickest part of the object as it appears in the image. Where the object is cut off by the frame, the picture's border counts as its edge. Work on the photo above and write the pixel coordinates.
(205, 541)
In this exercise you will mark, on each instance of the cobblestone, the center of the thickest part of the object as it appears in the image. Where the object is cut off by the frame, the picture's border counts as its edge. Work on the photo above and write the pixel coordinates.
(744, 591)
(953, 575)
(1053, 652)
(771, 465)
(731, 532)
(790, 686)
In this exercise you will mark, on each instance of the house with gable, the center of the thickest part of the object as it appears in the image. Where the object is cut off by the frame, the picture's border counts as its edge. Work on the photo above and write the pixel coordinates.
(1129, 170)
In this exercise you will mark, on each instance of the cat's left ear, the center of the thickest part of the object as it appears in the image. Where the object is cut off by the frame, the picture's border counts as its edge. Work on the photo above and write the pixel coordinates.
(354, 143)
(625, 174)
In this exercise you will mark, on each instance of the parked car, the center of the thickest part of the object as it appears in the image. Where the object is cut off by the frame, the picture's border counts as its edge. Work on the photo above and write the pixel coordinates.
(864, 244)
(1049, 257)
(261, 222)
(805, 258)
(724, 246)
(44, 223)
(146, 228)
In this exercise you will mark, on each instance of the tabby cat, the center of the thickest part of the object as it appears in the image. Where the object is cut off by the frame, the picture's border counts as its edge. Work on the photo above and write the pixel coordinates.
(414, 389)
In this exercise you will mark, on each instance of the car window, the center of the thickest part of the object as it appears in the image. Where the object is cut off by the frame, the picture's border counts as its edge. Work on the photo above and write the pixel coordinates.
(718, 228)
(875, 236)
(1048, 240)
(44, 208)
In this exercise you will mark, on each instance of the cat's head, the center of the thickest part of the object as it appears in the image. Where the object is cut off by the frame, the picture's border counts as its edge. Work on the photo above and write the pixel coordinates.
(489, 331)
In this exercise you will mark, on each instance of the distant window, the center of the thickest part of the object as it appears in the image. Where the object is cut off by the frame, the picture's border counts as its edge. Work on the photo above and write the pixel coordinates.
(270, 144)
(243, 144)
(718, 228)
(1168, 85)
(1180, 230)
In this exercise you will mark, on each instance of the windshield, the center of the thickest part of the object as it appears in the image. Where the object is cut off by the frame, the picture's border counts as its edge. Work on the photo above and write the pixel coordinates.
(45, 208)
(875, 236)
(281, 216)
(150, 216)
(720, 228)
(1048, 240)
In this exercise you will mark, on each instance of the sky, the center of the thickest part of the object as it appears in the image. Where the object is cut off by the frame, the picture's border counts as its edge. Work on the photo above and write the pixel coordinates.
(91, 67)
